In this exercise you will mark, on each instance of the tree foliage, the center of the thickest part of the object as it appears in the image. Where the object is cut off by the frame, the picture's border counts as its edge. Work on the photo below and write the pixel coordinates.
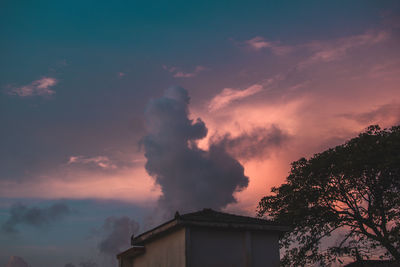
(351, 191)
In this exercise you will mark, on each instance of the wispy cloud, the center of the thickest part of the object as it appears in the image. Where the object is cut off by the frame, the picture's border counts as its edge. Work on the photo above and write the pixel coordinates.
(328, 51)
(321, 51)
(99, 161)
(258, 43)
(229, 95)
(40, 87)
(131, 185)
(388, 114)
(177, 73)
(316, 51)
(386, 70)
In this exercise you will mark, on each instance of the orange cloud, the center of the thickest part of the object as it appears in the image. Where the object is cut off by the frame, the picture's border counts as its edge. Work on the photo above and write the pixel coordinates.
(131, 185)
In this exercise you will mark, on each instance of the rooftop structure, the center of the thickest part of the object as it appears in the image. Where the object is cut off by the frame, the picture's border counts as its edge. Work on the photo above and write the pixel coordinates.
(206, 238)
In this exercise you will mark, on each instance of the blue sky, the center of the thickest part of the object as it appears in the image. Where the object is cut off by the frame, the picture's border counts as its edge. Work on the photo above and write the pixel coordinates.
(77, 76)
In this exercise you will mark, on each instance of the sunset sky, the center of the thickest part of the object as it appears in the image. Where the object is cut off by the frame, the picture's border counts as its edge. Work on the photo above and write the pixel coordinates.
(87, 88)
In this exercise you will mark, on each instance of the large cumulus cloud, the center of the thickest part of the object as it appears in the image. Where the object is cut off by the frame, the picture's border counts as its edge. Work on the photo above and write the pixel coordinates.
(190, 178)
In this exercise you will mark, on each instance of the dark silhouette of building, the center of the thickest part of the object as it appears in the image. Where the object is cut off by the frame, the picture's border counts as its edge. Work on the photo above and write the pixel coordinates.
(206, 238)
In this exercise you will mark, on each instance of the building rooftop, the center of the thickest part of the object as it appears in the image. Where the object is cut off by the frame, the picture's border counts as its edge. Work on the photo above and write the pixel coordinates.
(209, 215)
(212, 219)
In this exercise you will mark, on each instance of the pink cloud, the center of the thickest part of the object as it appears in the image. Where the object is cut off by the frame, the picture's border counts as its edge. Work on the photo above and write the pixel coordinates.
(322, 51)
(100, 161)
(310, 105)
(328, 51)
(312, 120)
(131, 185)
(385, 70)
(41, 87)
(229, 95)
(259, 43)
(181, 74)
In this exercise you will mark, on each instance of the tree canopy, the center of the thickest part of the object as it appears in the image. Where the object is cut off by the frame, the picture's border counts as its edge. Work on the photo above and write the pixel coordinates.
(350, 192)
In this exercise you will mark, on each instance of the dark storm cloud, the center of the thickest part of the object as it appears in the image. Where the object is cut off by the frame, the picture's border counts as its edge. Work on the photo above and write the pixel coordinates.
(117, 235)
(377, 115)
(255, 144)
(34, 216)
(190, 178)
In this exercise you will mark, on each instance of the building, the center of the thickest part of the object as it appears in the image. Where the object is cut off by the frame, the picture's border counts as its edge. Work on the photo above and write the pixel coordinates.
(206, 238)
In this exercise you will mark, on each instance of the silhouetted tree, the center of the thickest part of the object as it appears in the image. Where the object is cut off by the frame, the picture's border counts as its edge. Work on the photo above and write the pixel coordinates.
(352, 189)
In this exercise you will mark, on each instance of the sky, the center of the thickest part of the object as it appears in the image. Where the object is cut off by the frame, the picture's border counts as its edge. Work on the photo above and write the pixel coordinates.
(115, 114)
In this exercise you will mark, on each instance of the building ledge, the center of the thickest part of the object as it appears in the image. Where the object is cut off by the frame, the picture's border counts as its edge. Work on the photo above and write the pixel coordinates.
(132, 252)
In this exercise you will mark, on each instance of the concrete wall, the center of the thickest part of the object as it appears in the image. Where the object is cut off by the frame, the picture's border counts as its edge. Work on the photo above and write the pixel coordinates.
(167, 251)
(222, 248)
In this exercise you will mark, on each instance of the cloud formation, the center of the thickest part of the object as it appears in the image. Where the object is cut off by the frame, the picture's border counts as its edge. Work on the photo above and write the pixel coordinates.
(117, 232)
(255, 144)
(321, 51)
(85, 182)
(386, 70)
(328, 51)
(258, 43)
(99, 161)
(41, 87)
(229, 95)
(177, 73)
(190, 178)
(387, 113)
(34, 216)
